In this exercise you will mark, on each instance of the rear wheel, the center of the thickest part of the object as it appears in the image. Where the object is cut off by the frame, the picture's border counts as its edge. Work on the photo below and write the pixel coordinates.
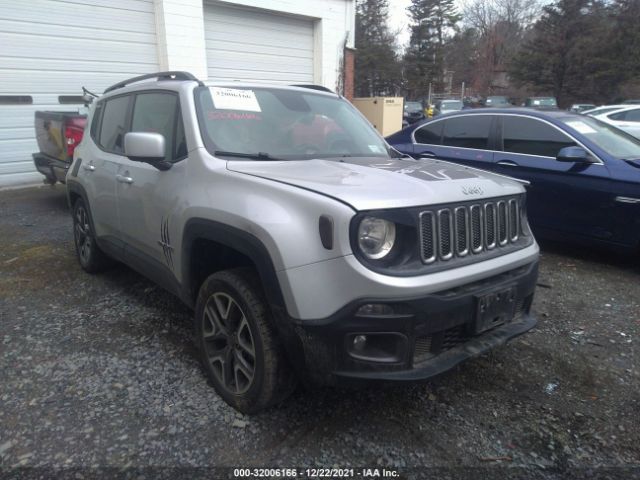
(238, 346)
(91, 258)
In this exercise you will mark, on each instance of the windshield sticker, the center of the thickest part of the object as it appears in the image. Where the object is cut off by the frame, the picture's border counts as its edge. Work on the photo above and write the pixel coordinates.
(215, 115)
(376, 148)
(581, 127)
(234, 99)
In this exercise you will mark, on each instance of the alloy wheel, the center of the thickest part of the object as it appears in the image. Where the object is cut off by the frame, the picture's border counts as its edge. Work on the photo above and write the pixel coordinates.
(82, 234)
(229, 344)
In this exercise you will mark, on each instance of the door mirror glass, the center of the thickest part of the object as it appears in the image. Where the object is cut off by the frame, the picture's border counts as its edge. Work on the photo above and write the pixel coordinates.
(574, 155)
(145, 147)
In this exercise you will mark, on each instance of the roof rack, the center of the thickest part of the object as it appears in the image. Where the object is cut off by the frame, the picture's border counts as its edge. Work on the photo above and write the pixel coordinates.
(314, 87)
(172, 75)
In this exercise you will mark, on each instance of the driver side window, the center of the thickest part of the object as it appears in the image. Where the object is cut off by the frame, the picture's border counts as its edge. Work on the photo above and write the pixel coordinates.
(158, 112)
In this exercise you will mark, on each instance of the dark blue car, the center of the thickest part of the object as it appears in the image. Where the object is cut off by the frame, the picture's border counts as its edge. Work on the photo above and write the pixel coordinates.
(584, 174)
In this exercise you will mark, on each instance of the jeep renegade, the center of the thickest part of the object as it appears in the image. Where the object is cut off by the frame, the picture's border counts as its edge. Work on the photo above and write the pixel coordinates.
(307, 247)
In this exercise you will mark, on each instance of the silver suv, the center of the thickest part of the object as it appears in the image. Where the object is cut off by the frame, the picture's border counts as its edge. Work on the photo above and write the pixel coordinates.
(307, 247)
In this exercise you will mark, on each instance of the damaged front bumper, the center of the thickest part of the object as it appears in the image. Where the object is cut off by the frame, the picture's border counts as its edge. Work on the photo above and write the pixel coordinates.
(413, 339)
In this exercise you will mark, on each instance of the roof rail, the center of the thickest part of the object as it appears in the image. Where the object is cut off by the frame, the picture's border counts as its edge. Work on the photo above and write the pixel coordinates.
(172, 75)
(314, 87)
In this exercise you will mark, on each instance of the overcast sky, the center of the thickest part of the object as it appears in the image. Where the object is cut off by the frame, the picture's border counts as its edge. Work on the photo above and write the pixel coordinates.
(398, 19)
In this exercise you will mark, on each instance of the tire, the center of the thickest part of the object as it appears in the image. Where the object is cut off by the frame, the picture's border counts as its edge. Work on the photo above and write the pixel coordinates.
(238, 346)
(90, 257)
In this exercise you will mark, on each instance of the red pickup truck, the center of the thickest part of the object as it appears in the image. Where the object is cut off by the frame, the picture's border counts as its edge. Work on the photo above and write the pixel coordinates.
(57, 134)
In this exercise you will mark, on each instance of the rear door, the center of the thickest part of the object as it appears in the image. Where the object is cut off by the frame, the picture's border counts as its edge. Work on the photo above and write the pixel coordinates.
(101, 159)
(147, 196)
(465, 139)
(563, 197)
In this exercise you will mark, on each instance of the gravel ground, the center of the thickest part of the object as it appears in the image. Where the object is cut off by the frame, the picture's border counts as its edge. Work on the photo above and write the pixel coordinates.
(100, 371)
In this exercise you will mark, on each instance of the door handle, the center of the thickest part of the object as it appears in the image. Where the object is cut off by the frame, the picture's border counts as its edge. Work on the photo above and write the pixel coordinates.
(89, 167)
(508, 163)
(123, 179)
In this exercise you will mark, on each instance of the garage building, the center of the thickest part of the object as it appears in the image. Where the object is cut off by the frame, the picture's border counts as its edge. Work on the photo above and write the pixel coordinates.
(52, 48)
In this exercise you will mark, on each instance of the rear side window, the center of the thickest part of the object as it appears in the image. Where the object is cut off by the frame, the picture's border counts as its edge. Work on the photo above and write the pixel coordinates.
(429, 134)
(532, 137)
(470, 131)
(114, 124)
(628, 116)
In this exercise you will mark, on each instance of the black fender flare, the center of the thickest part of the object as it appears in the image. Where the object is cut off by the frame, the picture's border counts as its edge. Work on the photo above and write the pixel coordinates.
(236, 239)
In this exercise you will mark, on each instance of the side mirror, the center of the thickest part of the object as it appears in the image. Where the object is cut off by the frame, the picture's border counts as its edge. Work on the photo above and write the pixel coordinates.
(574, 155)
(146, 147)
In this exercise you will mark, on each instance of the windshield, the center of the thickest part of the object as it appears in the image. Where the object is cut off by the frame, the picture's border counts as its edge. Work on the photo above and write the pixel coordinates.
(412, 106)
(284, 124)
(612, 140)
(452, 105)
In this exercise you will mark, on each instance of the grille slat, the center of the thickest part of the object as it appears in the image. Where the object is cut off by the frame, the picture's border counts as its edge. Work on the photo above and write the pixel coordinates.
(462, 230)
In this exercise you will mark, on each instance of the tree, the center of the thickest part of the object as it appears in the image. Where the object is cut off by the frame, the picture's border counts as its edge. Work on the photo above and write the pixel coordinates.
(376, 64)
(431, 22)
(500, 27)
(568, 53)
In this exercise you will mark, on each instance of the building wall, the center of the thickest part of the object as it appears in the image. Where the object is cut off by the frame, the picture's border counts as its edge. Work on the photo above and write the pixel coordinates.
(181, 41)
(50, 48)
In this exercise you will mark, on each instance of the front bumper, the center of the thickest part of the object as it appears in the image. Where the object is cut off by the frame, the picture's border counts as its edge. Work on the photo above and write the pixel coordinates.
(430, 334)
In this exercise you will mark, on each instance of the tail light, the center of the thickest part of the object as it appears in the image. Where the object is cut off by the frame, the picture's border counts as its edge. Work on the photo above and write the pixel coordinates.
(73, 132)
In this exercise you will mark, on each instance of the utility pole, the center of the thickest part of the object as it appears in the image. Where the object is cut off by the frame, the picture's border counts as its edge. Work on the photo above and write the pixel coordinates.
(462, 92)
(429, 98)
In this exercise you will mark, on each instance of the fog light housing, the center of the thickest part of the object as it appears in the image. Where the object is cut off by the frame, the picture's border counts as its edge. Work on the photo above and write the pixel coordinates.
(359, 343)
(377, 346)
(374, 310)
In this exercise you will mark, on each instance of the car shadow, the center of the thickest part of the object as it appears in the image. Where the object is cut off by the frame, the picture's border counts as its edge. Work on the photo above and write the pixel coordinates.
(624, 261)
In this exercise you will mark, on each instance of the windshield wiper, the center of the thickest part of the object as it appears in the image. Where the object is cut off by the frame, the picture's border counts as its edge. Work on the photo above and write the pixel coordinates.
(254, 156)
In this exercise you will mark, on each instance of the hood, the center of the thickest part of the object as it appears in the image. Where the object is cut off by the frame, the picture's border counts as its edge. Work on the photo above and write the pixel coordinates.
(376, 183)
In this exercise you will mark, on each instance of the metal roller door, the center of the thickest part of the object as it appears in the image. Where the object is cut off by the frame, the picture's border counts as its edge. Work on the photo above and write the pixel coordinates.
(257, 45)
(51, 48)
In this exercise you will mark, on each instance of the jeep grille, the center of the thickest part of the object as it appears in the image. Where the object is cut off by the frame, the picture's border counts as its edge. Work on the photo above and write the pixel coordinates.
(471, 229)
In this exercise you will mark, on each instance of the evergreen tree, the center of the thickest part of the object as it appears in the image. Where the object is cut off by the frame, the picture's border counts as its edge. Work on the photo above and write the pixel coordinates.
(570, 53)
(431, 20)
(377, 70)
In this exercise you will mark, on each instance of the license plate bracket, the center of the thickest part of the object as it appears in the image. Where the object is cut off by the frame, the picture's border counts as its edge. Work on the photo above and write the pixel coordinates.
(493, 309)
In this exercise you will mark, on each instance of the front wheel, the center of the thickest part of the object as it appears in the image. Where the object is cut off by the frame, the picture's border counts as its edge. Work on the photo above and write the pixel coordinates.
(238, 346)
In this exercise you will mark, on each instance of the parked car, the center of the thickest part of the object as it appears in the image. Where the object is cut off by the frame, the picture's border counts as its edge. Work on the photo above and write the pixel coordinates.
(581, 107)
(543, 103)
(447, 106)
(299, 237)
(57, 134)
(603, 109)
(584, 173)
(413, 112)
(627, 119)
(497, 101)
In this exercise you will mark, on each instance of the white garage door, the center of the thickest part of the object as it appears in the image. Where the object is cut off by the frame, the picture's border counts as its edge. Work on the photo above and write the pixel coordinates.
(257, 45)
(51, 48)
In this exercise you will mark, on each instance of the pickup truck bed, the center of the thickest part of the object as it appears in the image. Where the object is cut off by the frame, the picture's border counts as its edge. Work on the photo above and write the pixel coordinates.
(57, 134)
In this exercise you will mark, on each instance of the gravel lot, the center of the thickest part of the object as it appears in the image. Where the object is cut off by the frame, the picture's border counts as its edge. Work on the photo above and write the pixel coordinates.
(99, 371)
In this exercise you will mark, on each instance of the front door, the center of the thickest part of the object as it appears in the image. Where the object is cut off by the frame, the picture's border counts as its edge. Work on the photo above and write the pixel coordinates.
(147, 196)
(572, 198)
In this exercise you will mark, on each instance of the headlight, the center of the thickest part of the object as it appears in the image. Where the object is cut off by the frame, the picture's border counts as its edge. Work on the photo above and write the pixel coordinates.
(376, 237)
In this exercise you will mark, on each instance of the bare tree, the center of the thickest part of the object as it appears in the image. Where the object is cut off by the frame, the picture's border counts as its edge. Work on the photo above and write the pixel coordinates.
(500, 26)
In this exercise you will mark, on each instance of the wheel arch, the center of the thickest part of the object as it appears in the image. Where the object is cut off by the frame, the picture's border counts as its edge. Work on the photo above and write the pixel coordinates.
(244, 249)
